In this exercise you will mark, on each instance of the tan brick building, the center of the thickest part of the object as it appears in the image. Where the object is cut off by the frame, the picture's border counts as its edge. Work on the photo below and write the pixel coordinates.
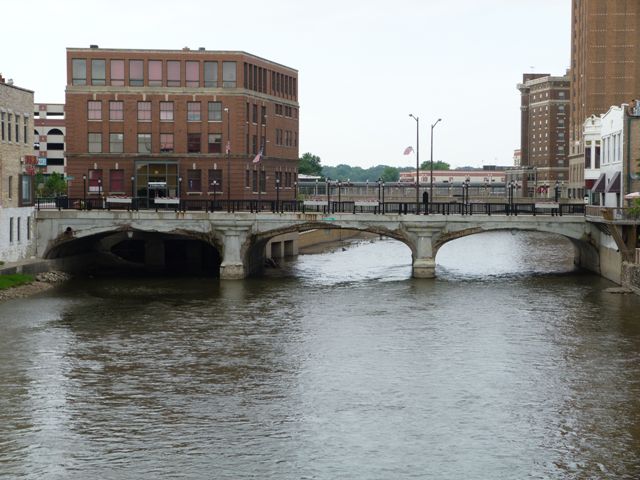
(158, 123)
(17, 166)
(605, 66)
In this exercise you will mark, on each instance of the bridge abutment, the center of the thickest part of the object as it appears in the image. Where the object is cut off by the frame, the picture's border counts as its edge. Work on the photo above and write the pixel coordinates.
(422, 241)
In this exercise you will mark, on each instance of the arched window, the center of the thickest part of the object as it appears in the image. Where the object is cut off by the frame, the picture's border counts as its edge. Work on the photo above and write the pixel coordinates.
(55, 131)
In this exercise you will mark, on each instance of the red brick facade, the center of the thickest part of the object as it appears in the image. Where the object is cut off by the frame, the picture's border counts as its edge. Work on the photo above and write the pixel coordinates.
(116, 129)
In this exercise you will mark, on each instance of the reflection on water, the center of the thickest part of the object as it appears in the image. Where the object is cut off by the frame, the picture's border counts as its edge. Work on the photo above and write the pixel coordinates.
(338, 365)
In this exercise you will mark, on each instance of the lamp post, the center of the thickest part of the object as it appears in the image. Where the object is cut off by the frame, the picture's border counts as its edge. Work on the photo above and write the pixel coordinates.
(100, 191)
(228, 149)
(84, 190)
(277, 194)
(339, 195)
(417, 119)
(214, 184)
(557, 192)
(179, 187)
(383, 207)
(431, 174)
(328, 195)
(133, 179)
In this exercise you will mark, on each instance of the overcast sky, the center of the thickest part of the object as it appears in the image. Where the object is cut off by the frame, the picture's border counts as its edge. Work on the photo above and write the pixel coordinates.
(364, 65)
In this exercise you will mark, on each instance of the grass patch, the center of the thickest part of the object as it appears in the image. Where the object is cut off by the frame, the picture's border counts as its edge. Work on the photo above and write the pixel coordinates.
(13, 280)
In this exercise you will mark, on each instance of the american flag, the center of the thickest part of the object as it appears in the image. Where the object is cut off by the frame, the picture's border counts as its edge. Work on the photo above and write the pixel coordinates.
(408, 150)
(258, 157)
(228, 147)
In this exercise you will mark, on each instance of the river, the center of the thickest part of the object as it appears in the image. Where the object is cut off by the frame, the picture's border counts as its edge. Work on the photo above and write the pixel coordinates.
(339, 365)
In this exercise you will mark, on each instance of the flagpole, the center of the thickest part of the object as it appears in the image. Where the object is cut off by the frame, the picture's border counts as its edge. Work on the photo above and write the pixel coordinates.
(226, 109)
(417, 119)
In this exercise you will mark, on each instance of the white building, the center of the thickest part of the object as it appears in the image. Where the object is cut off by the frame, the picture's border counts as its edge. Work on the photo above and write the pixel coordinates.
(50, 137)
(604, 140)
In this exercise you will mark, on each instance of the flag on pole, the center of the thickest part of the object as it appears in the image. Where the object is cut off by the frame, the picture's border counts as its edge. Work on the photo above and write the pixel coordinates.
(228, 147)
(258, 157)
(408, 150)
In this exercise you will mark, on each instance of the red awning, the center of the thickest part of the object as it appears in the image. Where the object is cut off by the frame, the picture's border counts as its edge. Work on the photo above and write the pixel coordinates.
(598, 187)
(614, 185)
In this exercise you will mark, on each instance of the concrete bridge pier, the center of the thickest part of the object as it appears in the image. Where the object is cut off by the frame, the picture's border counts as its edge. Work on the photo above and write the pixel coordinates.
(424, 262)
(232, 266)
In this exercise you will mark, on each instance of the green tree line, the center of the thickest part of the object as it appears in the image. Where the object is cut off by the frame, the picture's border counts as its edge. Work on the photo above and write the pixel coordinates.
(311, 165)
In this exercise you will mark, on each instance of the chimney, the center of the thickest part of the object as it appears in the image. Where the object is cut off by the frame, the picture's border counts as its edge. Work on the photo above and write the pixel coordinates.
(1, 78)
(93, 46)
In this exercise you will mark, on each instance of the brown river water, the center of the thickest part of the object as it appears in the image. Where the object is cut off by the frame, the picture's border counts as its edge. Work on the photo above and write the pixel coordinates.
(338, 365)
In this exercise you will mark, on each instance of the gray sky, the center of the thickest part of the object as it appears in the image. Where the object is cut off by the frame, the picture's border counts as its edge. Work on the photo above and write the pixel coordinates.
(364, 65)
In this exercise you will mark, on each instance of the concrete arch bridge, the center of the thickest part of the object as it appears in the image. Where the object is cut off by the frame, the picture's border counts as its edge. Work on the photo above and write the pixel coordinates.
(234, 243)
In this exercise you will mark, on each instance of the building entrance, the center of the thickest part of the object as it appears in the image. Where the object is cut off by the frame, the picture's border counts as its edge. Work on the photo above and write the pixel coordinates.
(156, 180)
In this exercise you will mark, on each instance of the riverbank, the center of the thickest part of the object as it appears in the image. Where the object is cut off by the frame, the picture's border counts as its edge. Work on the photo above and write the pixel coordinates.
(40, 283)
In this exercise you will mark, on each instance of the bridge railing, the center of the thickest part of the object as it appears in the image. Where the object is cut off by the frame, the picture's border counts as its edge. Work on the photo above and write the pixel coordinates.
(320, 206)
(612, 214)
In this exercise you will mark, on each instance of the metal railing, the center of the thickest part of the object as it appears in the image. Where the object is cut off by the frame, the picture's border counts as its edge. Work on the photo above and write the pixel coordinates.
(329, 206)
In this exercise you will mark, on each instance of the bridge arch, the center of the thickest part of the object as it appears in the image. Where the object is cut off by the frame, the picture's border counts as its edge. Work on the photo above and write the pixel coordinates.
(585, 253)
(130, 249)
(255, 246)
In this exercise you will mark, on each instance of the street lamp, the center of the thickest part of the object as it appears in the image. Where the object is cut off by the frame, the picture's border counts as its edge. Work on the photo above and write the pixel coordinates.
(100, 191)
(215, 191)
(328, 195)
(431, 175)
(277, 194)
(179, 187)
(133, 179)
(339, 195)
(84, 190)
(383, 207)
(557, 191)
(417, 119)
(228, 149)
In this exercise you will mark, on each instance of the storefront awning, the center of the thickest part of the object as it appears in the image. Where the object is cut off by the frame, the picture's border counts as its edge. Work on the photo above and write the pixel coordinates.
(598, 187)
(614, 185)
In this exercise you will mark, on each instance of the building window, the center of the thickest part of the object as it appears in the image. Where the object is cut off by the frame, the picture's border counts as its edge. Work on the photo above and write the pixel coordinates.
(166, 142)
(254, 186)
(215, 175)
(561, 108)
(192, 71)
(144, 111)
(193, 142)
(116, 142)
(194, 180)
(24, 129)
(155, 73)
(211, 74)
(254, 144)
(95, 143)
(116, 181)
(94, 110)
(2, 123)
(28, 225)
(247, 181)
(166, 111)
(95, 181)
(229, 74)
(263, 115)
(173, 73)
(215, 111)
(79, 71)
(136, 73)
(10, 187)
(117, 73)
(116, 110)
(10, 229)
(144, 143)
(98, 72)
(215, 143)
(193, 111)
(17, 125)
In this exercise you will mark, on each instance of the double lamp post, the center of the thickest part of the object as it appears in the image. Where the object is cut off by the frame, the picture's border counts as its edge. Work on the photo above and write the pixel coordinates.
(417, 119)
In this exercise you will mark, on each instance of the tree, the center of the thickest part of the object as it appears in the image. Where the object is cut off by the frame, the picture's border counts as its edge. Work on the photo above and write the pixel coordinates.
(439, 165)
(390, 174)
(309, 164)
(51, 185)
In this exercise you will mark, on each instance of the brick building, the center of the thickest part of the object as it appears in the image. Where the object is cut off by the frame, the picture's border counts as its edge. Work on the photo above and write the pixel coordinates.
(185, 123)
(605, 67)
(544, 134)
(17, 167)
